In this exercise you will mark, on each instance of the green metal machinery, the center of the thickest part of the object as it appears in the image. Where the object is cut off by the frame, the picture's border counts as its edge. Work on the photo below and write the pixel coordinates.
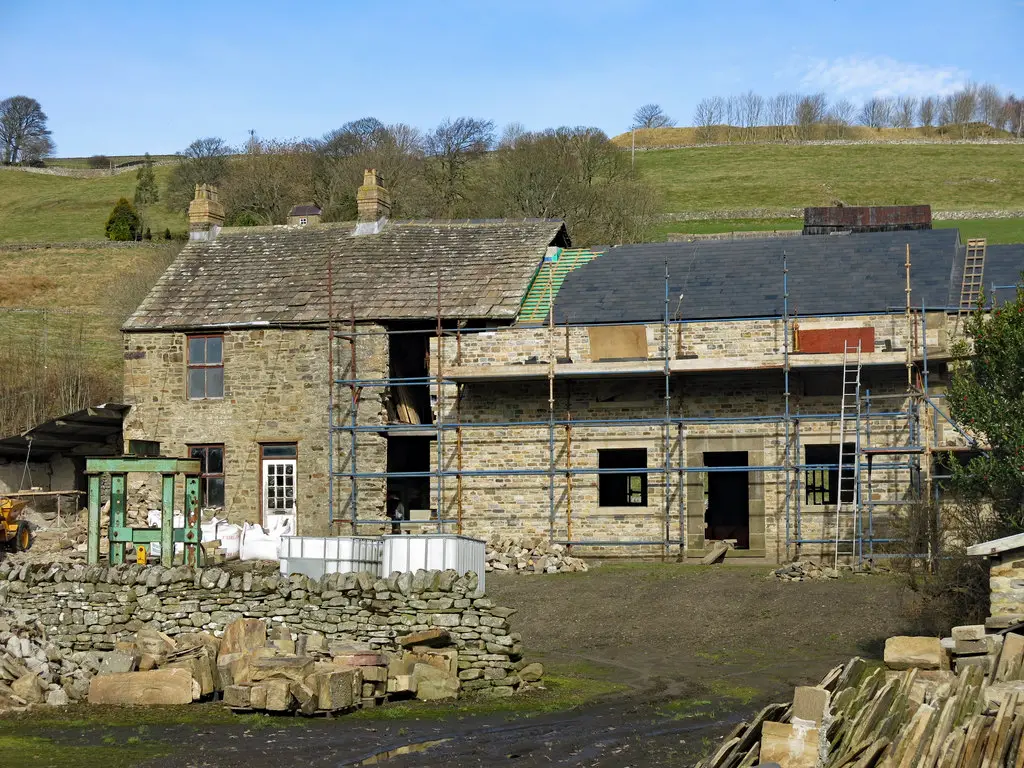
(121, 536)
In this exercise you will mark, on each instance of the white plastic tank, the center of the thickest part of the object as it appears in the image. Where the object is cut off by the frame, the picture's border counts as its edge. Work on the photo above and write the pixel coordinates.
(434, 552)
(316, 556)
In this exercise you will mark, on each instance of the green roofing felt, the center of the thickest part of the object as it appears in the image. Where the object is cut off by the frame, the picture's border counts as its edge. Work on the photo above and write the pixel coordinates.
(548, 279)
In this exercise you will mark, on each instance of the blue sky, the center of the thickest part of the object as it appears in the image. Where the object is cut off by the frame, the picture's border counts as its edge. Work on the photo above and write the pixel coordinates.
(125, 78)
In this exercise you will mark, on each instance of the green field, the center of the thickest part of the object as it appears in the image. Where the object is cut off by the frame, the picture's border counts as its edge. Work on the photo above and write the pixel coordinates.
(995, 230)
(83, 162)
(36, 207)
(774, 177)
(948, 177)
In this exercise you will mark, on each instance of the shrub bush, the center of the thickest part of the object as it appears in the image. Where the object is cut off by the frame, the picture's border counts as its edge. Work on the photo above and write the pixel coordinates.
(99, 161)
(124, 222)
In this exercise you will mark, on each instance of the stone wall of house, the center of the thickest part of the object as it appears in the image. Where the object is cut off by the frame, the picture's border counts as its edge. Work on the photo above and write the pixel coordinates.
(93, 607)
(533, 501)
(276, 390)
(756, 341)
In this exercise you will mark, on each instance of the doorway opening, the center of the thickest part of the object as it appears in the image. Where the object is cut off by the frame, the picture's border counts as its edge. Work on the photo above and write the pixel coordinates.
(727, 498)
(409, 454)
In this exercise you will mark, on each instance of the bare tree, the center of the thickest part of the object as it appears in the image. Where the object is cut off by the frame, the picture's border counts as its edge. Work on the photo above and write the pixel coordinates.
(926, 111)
(810, 112)
(1014, 108)
(575, 174)
(341, 156)
(203, 161)
(840, 117)
(876, 113)
(511, 133)
(991, 106)
(652, 116)
(960, 108)
(905, 112)
(23, 132)
(751, 108)
(707, 118)
(450, 148)
(267, 180)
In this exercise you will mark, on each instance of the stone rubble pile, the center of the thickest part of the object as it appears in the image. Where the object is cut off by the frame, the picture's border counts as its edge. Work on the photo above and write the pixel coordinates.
(807, 570)
(35, 671)
(531, 555)
(252, 668)
(949, 703)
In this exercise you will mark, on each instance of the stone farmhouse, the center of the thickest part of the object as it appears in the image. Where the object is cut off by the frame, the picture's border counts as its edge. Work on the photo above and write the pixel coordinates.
(785, 396)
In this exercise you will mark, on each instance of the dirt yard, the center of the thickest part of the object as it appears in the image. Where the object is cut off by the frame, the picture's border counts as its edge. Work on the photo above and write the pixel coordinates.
(648, 665)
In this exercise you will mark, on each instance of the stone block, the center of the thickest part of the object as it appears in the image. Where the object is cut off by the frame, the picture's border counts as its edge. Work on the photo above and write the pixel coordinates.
(970, 647)
(791, 746)
(294, 668)
(1011, 657)
(969, 632)
(237, 696)
(904, 652)
(335, 689)
(963, 662)
(118, 662)
(433, 684)
(531, 673)
(244, 635)
(30, 688)
(279, 697)
(809, 703)
(156, 687)
(233, 669)
(305, 695)
(375, 674)
(402, 684)
(434, 638)
(258, 697)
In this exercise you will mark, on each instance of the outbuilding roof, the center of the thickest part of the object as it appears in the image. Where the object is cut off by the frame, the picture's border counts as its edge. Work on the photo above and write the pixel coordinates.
(828, 275)
(305, 210)
(278, 275)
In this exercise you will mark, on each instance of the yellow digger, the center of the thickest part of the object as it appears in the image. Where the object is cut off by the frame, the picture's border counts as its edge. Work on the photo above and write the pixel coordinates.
(15, 534)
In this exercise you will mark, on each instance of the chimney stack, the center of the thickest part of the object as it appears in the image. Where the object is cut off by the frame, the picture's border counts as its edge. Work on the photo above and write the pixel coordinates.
(205, 213)
(372, 199)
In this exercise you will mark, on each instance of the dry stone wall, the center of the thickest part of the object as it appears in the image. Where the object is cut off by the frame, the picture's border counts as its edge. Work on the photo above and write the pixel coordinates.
(91, 608)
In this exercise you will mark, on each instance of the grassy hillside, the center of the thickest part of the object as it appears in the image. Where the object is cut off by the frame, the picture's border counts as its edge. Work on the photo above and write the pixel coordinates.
(949, 177)
(774, 177)
(83, 162)
(655, 138)
(39, 208)
(60, 341)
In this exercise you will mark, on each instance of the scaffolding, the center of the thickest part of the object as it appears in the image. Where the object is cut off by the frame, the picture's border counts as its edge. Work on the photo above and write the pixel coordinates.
(869, 458)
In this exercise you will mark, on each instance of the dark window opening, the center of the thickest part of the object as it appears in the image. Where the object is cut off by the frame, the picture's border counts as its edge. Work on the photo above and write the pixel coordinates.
(944, 463)
(143, 448)
(622, 489)
(727, 516)
(822, 481)
(409, 402)
(280, 451)
(408, 454)
(211, 473)
(205, 367)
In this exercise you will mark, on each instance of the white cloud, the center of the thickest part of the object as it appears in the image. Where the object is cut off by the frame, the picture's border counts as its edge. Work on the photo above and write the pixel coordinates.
(865, 76)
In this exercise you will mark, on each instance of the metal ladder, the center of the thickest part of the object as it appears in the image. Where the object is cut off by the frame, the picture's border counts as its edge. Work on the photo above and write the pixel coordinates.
(848, 458)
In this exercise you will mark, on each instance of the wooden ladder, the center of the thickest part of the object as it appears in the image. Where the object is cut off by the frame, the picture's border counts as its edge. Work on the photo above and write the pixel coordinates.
(974, 273)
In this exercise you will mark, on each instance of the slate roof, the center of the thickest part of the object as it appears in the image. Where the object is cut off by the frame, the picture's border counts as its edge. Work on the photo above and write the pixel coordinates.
(1003, 267)
(828, 275)
(305, 210)
(279, 274)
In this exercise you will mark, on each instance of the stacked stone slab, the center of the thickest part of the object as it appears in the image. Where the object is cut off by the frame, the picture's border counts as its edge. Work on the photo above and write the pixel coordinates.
(93, 608)
(806, 570)
(531, 555)
(914, 712)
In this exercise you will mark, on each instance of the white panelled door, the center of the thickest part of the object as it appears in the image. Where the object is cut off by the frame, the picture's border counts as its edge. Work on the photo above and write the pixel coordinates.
(279, 496)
